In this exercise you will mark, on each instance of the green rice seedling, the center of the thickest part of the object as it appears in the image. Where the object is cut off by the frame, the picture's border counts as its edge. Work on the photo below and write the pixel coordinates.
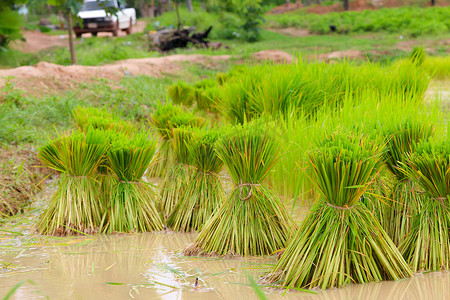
(75, 205)
(205, 83)
(252, 220)
(305, 88)
(204, 193)
(178, 177)
(181, 93)
(166, 118)
(99, 118)
(426, 247)
(437, 67)
(207, 99)
(340, 241)
(132, 207)
(417, 56)
(401, 205)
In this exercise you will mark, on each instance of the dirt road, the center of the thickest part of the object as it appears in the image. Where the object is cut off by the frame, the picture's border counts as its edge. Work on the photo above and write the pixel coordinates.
(36, 41)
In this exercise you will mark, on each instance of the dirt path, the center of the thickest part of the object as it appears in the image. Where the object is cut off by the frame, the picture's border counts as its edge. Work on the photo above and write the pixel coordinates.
(36, 41)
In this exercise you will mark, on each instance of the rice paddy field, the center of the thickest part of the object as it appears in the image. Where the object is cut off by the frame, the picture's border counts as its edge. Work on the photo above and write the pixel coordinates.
(302, 179)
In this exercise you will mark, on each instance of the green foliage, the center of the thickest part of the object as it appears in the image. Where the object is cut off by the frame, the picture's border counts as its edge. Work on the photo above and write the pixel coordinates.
(417, 56)
(230, 19)
(252, 17)
(10, 24)
(414, 21)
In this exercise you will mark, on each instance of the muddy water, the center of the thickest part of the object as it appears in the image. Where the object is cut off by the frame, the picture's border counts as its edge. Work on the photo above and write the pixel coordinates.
(151, 266)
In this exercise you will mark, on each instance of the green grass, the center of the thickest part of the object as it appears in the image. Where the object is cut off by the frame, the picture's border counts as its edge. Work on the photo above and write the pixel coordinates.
(412, 21)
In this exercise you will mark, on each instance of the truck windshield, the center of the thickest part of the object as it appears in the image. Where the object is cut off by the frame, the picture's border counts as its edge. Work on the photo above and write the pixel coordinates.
(97, 5)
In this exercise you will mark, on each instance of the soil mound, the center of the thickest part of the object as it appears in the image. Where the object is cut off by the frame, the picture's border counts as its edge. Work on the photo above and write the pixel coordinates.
(276, 56)
(336, 55)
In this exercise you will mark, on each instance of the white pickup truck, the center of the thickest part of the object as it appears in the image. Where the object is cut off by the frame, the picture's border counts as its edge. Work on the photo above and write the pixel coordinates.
(96, 19)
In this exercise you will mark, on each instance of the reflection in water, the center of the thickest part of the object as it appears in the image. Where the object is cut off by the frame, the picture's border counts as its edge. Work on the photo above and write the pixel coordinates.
(151, 266)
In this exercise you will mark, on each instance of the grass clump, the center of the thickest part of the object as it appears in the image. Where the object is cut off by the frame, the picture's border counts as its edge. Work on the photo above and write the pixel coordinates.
(401, 205)
(340, 241)
(179, 175)
(98, 118)
(181, 93)
(75, 207)
(252, 220)
(132, 207)
(166, 118)
(204, 192)
(427, 245)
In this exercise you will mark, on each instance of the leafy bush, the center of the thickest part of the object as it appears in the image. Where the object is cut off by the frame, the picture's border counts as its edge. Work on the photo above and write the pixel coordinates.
(10, 23)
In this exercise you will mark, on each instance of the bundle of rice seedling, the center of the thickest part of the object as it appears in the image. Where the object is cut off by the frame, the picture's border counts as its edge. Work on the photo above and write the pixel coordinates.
(417, 56)
(204, 193)
(132, 203)
(401, 205)
(427, 245)
(181, 93)
(99, 118)
(75, 207)
(164, 120)
(174, 184)
(340, 241)
(252, 220)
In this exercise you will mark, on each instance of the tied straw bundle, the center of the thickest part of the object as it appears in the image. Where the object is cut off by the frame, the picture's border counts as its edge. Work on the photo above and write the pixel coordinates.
(427, 245)
(132, 203)
(252, 220)
(173, 186)
(340, 241)
(204, 193)
(75, 207)
(165, 119)
(402, 204)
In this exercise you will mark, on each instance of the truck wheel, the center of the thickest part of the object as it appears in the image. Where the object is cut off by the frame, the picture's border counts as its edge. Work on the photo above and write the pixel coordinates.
(130, 28)
(115, 31)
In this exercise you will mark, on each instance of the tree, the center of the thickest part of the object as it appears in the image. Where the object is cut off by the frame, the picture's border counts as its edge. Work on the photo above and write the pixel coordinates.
(189, 5)
(70, 9)
(10, 23)
(346, 5)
